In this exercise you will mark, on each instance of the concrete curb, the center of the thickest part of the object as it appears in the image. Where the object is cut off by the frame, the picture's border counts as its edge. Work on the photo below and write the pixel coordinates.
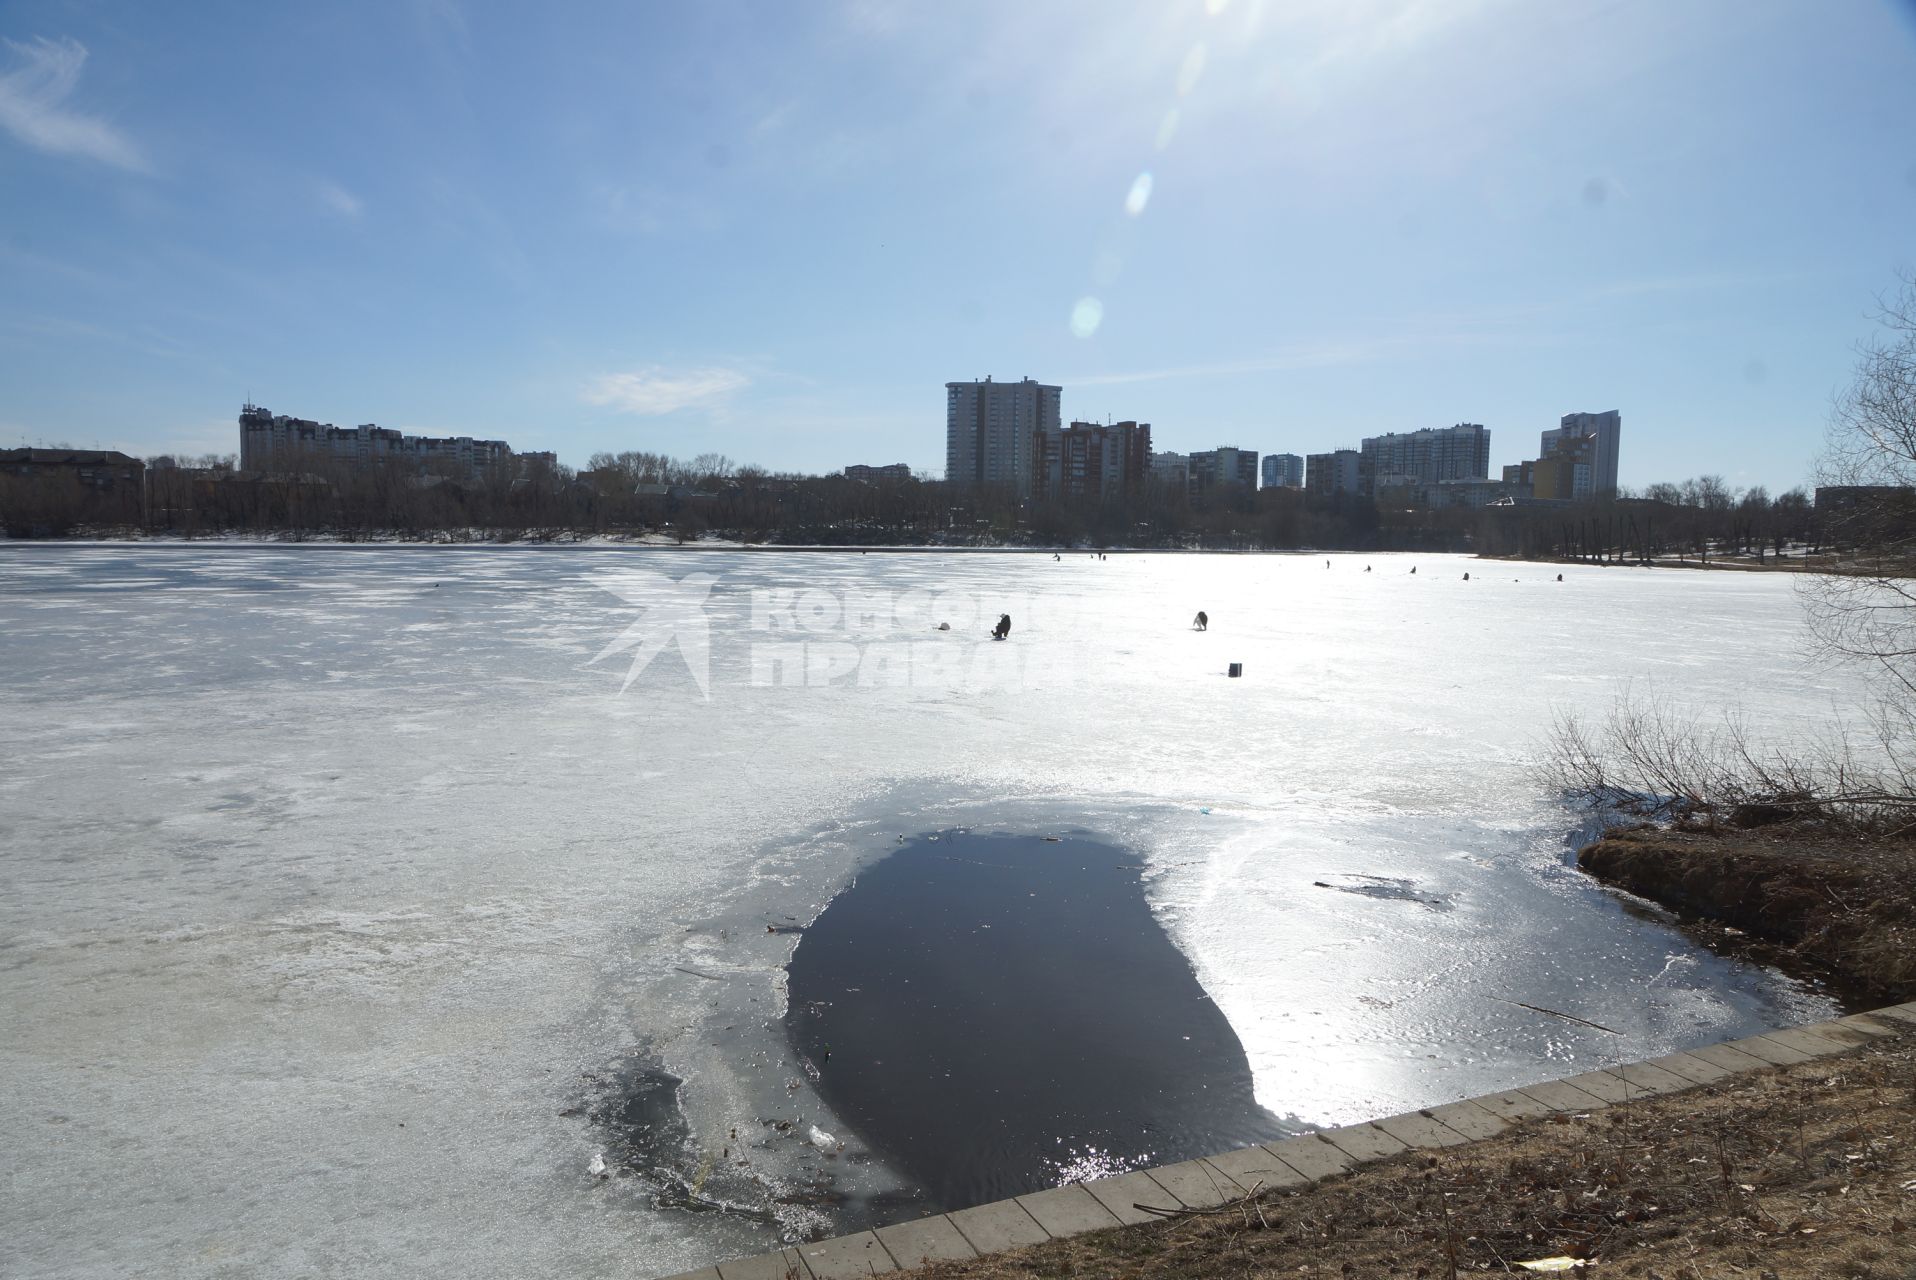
(1214, 1180)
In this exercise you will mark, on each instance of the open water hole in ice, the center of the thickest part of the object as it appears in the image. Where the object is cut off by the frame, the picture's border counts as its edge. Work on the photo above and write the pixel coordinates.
(997, 1014)
(348, 889)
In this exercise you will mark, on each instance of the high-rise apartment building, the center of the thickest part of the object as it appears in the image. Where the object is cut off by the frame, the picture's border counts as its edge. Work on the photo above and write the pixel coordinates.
(994, 432)
(1338, 471)
(1172, 470)
(1221, 466)
(1430, 456)
(1283, 471)
(1604, 432)
(1093, 461)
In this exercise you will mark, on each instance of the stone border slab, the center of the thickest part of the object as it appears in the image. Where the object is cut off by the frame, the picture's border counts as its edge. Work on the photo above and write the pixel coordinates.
(1807, 1041)
(767, 1266)
(1256, 1167)
(992, 1228)
(1469, 1119)
(925, 1240)
(1723, 1055)
(1415, 1129)
(1196, 1184)
(846, 1257)
(1123, 1194)
(1652, 1079)
(1312, 1157)
(1068, 1211)
(1561, 1095)
(1215, 1180)
(1363, 1141)
(1692, 1068)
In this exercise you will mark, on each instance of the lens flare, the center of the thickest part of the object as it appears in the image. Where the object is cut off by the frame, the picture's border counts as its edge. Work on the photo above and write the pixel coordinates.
(1167, 128)
(1139, 195)
(1086, 317)
(1193, 69)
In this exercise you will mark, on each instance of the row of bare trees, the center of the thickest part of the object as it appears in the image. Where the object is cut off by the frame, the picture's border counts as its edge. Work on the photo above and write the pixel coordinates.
(638, 492)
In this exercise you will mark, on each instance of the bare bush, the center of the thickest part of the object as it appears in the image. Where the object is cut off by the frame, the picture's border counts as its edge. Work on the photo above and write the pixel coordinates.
(1647, 759)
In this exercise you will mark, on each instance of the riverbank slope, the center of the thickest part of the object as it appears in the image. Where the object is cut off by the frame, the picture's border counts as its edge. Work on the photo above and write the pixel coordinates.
(1841, 905)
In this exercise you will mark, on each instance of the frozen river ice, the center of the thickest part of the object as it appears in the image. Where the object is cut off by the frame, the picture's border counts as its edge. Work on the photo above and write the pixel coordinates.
(344, 885)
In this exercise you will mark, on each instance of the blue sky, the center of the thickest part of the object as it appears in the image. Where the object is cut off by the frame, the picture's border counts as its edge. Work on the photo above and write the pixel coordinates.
(776, 230)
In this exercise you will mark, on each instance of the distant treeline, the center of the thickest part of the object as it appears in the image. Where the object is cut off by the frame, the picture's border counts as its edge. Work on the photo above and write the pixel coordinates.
(645, 493)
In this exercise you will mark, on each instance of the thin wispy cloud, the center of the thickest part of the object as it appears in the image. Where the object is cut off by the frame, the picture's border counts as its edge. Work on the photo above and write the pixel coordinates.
(33, 93)
(340, 201)
(653, 391)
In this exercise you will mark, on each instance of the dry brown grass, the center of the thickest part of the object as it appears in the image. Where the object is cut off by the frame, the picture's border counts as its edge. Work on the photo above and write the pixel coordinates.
(1794, 1172)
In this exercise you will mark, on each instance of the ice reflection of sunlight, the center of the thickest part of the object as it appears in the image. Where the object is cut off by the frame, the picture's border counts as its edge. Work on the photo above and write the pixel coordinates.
(1139, 195)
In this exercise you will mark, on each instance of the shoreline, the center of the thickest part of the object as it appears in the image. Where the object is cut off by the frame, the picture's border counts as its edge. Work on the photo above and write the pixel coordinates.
(1841, 907)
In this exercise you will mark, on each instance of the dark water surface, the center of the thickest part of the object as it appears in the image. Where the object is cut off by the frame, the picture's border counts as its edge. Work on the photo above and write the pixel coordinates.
(995, 1014)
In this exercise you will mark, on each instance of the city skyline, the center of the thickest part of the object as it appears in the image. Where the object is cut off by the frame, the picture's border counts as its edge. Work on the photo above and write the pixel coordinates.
(766, 233)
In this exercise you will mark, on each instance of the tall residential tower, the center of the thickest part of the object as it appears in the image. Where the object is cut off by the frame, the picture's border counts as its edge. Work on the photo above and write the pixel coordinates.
(1603, 432)
(1283, 471)
(994, 432)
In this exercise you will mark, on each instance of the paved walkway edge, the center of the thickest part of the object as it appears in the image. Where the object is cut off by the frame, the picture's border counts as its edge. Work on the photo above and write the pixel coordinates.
(1215, 1180)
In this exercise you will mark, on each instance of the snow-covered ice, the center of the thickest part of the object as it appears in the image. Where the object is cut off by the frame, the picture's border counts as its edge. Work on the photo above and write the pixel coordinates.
(341, 883)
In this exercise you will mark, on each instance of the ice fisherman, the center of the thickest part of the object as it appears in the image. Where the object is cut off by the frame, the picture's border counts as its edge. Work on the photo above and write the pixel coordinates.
(1003, 628)
(1203, 621)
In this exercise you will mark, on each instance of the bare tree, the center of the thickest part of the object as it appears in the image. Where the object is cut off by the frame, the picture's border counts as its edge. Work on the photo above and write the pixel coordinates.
(1864, 607)
(1651, 758)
